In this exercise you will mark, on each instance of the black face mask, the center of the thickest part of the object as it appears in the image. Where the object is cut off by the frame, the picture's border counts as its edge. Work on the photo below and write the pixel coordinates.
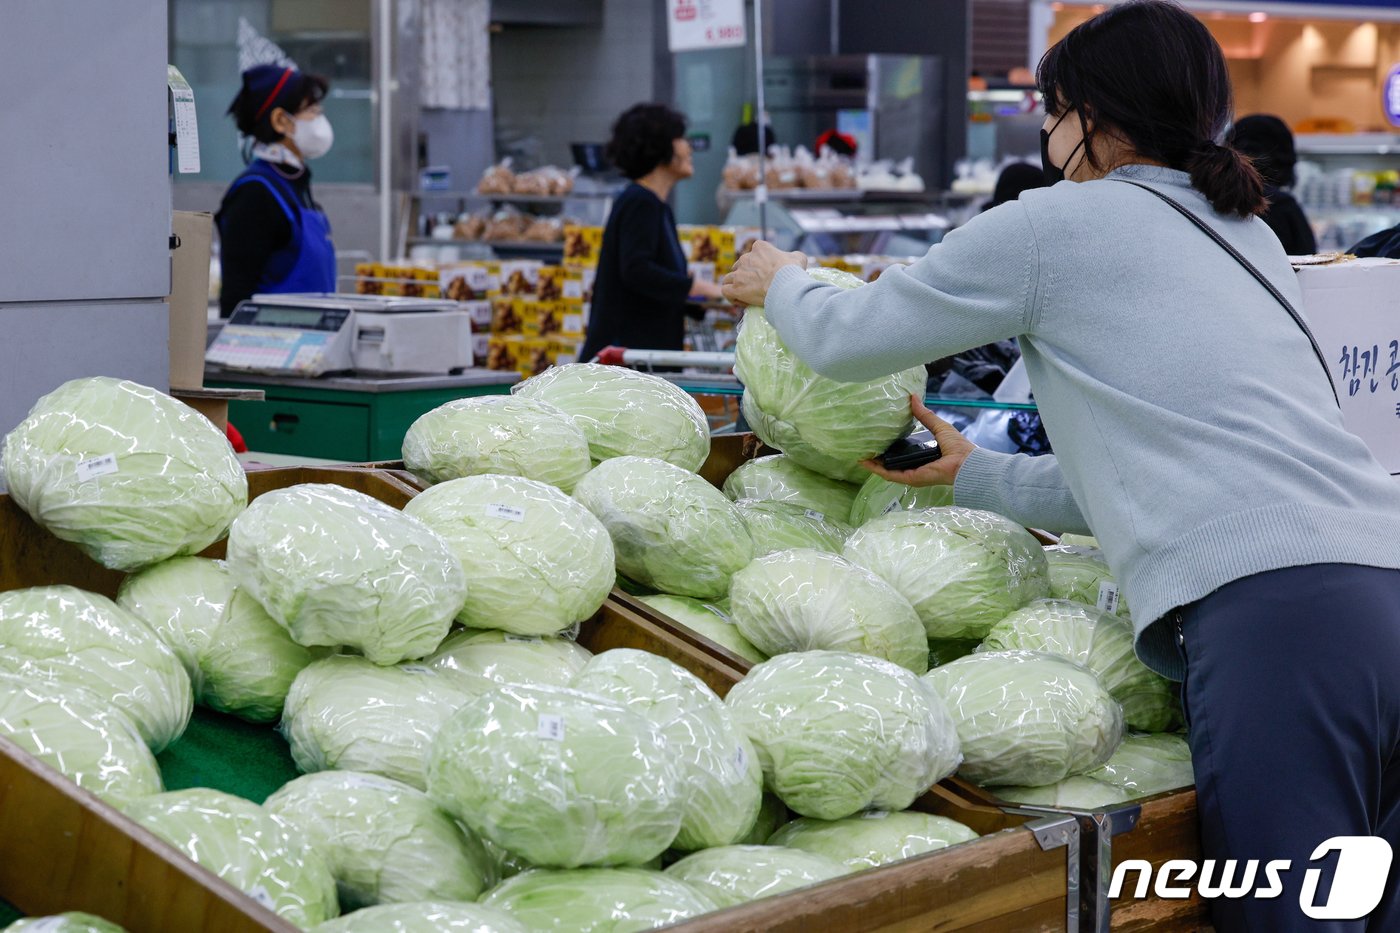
(1054, 174)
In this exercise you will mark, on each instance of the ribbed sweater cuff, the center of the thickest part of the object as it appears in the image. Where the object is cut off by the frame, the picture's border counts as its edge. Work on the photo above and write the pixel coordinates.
(783, 291)
(980, 481)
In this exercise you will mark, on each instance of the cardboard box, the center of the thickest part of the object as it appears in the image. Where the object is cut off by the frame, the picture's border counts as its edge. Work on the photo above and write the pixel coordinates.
(582, 246)
(564, 350)
(534, 356)
(465, 281)
(189, 298)
(1353, 309)
(506, 317)
(520, 277)
(502, 353)
(552, 319)
(551, 282)
(481, 349)
(481, 314)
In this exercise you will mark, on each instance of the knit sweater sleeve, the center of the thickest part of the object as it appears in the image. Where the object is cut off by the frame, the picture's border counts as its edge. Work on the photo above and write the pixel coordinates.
(1029, 490)
(976, 287)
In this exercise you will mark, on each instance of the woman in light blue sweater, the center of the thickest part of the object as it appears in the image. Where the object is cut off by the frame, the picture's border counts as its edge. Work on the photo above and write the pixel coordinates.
(1195, 429)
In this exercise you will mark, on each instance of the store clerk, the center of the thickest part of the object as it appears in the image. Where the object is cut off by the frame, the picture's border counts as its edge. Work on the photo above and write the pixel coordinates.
(1196, 434)
(273, 237)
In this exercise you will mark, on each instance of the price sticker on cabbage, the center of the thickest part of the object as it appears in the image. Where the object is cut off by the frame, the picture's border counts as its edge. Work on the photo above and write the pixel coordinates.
(523, 639)
(875, 815)
(815, 516)
(94, 467)
(1108, 597)
(741, 759)
(890, 508)
(551, 727)
(416, 669)
(510, 513)
(259, 894)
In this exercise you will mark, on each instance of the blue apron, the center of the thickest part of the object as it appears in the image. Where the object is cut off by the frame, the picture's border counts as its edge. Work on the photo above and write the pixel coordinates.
(307, 262)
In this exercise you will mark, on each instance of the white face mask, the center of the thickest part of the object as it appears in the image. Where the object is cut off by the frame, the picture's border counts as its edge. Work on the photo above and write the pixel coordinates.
(314, 137)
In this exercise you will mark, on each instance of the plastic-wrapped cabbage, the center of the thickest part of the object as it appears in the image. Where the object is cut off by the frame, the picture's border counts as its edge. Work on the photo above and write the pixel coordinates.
(777, 478)
(1027, 718)
(336, 567)
(1148, 764)
(1088, 541)
(943, 650)
(706, 619)
(598, 900)
(72, 732)
(963, 570)
(537, 560)
(128, 474)
(782, 526)
(733, 875)
(383, 841)
(671, 530)
(238, 658)
(72, 922)
(511, 659)
(771, 815)
(424, 917)
(501, 434)
(558, 777)
(840, 733)
(721, 783)
(624, 413)
(346, 713)
(1101, 642)
(246, 846)
(1081, 574)
(84, 641)
(804, 600)
(825, 425)
(878, 496)
(1077, 792)
(874, 838)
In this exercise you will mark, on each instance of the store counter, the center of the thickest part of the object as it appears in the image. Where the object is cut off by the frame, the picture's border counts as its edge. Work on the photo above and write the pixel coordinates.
(356, 418)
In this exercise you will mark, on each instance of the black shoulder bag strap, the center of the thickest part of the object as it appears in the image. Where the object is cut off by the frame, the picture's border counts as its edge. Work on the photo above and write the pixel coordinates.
(1225, 244)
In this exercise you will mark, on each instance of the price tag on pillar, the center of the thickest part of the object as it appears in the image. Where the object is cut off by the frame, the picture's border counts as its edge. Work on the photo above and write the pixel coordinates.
(705, 24)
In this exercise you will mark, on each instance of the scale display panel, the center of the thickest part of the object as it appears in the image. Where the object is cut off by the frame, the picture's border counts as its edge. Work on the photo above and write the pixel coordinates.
(283, 338)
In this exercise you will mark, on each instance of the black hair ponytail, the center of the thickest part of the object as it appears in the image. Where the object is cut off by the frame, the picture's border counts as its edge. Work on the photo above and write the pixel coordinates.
(1227, 178)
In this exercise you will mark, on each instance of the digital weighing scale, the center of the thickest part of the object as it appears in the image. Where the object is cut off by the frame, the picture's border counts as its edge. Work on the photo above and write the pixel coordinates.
(314, 334)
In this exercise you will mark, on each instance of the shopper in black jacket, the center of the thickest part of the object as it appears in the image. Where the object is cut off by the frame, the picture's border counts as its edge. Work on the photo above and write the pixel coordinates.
(1268, 142)
(639, 295)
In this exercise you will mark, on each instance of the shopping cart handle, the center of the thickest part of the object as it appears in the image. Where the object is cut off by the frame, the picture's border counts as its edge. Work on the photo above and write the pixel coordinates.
(612, 356)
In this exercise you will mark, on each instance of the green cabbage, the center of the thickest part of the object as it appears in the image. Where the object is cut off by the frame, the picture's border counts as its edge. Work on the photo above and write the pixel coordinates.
(347, 713)
(771, 815)
(501, 434)
(598, 900)
(777, 478)
(383, 841)
(1148, 764)
(840, 733)
(721, 783)
(1027, 718)
(511, 659)
(558, 777)
(733, 875)
(1081, 574)
(72, 922)
(874, 838)
(782, 526)
(424, 917)
(706, 619)
(128, 474)
(878, 496)
(246, 846)
(537, 561)
(624, 413)
(1077, 792)
(825, 425)
(943, 650)
(804, 600)
(963, 570)
(73, 732)
(238, 658)
(671, 530)
(1101, 642)
(336, 567)
(84, 641)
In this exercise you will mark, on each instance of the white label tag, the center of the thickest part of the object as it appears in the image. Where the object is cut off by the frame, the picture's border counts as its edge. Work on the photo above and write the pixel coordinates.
(259, 894)
(186, 124)
(875, 815)
(416, 669)
(719, 612)
(523, 639)
(815, 516)
(509, 512)
(890, 508)
(551, 727)
(94, 467)
(1108, 597)
(741, 759)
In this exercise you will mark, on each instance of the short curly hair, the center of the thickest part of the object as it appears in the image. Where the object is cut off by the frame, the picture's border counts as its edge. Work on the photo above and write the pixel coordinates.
(644, 138)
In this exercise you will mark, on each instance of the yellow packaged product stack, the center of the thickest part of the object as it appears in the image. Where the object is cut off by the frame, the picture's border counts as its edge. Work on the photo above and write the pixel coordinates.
(582, 246)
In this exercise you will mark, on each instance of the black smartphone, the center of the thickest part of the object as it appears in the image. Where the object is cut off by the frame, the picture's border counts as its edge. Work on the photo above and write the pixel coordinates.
(912, 452)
